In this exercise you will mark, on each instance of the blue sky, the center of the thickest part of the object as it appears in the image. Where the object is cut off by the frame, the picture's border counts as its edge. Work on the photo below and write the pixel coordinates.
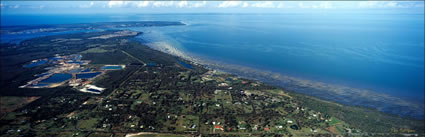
(52, 7)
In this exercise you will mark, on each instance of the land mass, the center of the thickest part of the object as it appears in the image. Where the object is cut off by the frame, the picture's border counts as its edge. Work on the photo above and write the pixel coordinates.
(157, 94)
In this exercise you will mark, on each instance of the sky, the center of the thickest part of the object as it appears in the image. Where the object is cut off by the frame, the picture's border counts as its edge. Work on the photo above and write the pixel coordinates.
(86, 7)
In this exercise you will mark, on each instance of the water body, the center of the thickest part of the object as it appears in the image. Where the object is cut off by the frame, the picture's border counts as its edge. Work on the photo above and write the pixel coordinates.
(372, 60)
(76, 62)
(75, 71)
(86, 70)
(40, 85)
(189, 66)
(151, 64)
(57, 78)
(87, 75)
(111, 67)
(381, 54)
(35, 64)
(17, 38)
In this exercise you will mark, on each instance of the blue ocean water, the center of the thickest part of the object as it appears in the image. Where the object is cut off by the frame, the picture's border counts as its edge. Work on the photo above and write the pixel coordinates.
(382, 53)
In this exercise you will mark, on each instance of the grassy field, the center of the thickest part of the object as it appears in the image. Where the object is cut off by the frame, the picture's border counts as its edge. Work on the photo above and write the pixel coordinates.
(96, 50)
(87, 124)
(10, 103)
(158, 135)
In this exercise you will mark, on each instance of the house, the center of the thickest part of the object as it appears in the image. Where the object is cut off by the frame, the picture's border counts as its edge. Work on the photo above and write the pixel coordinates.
(255, 127)
(314, 130)
(219, 127)
(223, 85)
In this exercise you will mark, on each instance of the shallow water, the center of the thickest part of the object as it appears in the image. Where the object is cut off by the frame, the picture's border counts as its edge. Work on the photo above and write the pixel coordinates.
(379, 52)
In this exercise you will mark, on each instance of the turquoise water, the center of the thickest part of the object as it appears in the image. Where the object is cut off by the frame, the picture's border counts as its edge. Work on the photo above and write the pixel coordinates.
(56, 78)
(111, 67)
(87, 75)
(375, 52)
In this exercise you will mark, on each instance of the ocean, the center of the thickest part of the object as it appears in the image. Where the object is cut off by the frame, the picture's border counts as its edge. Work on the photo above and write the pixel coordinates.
(358, 59)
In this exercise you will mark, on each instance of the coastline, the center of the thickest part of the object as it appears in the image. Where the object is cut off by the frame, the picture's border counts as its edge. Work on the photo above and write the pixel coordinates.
(121, 84)
(324, 91)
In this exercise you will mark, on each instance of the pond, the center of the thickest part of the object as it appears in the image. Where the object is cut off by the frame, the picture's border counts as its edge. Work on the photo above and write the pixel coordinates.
(75, 71)
(35, 64)
(189, 66)
(57, 78)
(87, 75)
(111, 67)
(86, 70)
(151, 64)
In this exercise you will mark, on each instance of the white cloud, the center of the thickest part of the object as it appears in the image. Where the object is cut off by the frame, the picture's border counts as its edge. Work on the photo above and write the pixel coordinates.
(182, 4)
(301, 5)
(87, 5)
(163, 4)
(185, 4)
(367, 4)
(114, 3)
(392, 4)
(245, 4)
(323, 5)
(387, 4)
(229, 4)
(315, 5)
(142, 4)
(199, 4)
(281, 5)
(156, 4)
(265, 4)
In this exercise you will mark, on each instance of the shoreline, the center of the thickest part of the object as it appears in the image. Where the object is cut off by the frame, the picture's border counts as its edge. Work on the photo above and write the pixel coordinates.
(328, 92)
